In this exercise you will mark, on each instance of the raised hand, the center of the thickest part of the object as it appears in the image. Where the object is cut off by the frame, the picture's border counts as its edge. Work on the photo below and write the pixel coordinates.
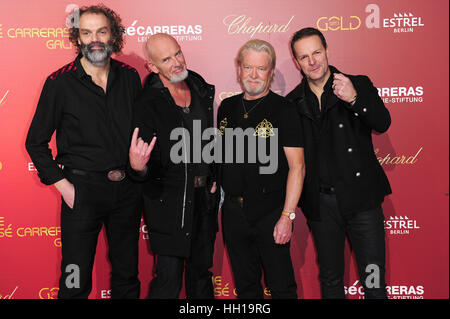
(343, 88)
(140, 151)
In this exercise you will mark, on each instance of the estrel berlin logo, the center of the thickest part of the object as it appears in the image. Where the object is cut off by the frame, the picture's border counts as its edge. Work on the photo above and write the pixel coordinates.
(400, 225)
(1, 31)
(399, 22)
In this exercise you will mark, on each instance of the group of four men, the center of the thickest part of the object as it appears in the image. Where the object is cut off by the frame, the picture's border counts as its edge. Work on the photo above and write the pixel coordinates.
(319, 137)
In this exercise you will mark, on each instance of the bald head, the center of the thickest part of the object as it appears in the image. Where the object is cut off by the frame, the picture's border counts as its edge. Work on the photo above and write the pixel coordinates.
(159, 43)
(166, 58)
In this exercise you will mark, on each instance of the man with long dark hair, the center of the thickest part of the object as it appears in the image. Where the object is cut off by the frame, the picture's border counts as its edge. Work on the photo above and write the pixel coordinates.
(88, 102)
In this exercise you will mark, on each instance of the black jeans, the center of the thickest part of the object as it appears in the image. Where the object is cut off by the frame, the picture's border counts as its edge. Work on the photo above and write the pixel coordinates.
(98, 202)
(252, 247)
(169, 270)
(367, 238)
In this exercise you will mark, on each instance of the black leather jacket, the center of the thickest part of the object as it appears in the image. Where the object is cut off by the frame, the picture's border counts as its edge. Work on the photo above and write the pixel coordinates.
(168, 190)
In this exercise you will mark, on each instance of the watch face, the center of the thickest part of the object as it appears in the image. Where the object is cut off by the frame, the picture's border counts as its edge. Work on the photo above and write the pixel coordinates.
(292, 216)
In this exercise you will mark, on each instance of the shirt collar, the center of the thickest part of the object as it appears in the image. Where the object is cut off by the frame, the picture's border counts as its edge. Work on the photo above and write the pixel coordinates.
(81, 73)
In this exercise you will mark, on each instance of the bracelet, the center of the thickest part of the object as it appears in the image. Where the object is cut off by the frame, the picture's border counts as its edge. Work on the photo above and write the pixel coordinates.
(352, 102)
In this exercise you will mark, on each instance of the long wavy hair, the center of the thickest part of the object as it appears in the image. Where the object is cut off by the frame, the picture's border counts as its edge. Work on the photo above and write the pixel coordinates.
(115, 22)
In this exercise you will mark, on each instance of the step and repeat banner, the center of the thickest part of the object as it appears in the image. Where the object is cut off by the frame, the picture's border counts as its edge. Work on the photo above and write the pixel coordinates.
(401, 45)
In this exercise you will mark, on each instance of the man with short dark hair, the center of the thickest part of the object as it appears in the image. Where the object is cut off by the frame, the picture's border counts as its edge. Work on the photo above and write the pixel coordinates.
(345, 184)
(88, 103)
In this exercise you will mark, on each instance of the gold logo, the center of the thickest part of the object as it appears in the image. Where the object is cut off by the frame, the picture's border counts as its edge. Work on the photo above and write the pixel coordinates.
(264, 129)
(338, 23)
(223, 125)
(49, 293)
(1, 166)
(241, 24)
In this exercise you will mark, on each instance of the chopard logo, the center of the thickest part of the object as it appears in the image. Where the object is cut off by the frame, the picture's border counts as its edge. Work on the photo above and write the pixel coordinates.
(388, 159)
(9, 295)
(3, 99)
(241, 24)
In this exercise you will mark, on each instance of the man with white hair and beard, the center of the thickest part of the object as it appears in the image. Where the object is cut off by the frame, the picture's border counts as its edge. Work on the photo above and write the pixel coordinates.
(88, 102)
(259, 208)
(180, 196)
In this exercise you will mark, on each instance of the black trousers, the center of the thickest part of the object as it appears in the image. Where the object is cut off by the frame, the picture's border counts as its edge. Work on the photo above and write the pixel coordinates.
(98, 202)
(367, 238)
(169, 270)
(252, 247)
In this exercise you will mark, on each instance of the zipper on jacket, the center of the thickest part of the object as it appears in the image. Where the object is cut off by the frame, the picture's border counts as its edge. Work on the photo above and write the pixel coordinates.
(170, 98)
(185, 177)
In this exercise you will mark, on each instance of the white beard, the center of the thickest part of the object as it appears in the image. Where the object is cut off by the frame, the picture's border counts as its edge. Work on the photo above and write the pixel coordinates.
(256, 91)
(180, 77)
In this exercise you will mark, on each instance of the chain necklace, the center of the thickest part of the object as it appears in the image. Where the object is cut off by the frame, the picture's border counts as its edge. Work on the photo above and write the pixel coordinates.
(186, 109)
(245, 110)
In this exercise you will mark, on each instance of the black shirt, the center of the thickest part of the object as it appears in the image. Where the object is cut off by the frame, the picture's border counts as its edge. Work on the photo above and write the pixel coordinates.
(277, 119)
(320, 116)
(197, 114)
(93, 128)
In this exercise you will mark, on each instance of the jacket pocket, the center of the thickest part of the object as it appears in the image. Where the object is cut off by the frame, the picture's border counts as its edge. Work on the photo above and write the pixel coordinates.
(158, 216)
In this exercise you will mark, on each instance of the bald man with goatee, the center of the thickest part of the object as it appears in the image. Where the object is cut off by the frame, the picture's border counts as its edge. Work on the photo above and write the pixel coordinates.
(180, 196)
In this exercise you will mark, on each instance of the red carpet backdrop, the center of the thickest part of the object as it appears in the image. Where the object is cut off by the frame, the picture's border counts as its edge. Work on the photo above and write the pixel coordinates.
(401, 44)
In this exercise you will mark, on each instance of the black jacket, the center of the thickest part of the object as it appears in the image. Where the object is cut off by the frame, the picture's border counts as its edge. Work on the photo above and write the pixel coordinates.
(359, 180)
(168, 190)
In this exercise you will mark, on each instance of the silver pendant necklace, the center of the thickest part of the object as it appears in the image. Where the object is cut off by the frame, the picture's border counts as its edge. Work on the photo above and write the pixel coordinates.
(186, 109)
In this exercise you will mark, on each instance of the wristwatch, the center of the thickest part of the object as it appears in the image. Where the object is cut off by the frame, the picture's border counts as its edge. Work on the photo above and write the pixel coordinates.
(291, 215)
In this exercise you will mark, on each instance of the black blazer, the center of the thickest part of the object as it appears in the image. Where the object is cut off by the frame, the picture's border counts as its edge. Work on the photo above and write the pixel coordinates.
(359, 180)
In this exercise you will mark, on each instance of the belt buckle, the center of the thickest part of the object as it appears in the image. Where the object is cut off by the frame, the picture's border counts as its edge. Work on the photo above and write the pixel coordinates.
(199, 181)
(116, 175)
